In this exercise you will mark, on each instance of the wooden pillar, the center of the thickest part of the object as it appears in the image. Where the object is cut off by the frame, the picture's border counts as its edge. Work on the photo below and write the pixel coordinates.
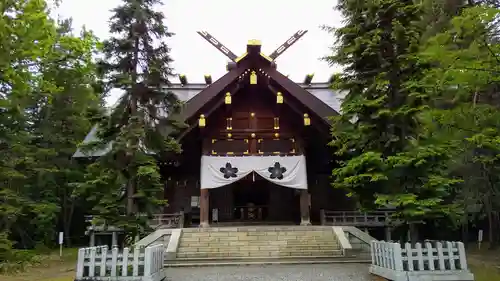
(304, 208)
(92, 239)
(204, 208)
(388, 231)
(114, 239)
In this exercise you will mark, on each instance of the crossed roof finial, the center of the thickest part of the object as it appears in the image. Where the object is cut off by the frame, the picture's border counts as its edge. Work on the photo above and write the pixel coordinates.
(274, 55)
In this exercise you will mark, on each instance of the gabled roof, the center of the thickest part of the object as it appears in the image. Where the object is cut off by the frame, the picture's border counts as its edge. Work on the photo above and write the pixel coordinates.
(318, 98)
(186, 93)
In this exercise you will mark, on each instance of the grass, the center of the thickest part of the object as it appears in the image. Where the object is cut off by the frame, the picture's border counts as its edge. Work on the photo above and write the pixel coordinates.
(50, 268)
(485, 264)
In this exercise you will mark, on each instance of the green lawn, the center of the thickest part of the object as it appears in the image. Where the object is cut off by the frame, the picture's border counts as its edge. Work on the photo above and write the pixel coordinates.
(51, 268)
(484, 264)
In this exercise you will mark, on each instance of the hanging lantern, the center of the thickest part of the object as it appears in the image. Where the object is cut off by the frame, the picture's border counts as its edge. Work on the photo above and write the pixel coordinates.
(276, 123)
(307, 120)
(279, 97)
(201, 121)
(227, 99)
(253, 78)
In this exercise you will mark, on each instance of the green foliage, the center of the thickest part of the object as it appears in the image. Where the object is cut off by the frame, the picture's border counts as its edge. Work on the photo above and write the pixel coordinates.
(46, 98)
(386, 161)
(142, 125)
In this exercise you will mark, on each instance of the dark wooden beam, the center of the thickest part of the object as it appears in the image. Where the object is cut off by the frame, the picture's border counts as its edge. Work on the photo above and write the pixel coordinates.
(194, 105)
(300, 111)
(302, 95)
(210, 110)
(287, 44)
(223, 49)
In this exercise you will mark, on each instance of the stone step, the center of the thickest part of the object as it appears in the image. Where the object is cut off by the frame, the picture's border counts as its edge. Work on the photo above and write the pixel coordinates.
(237, 253)
(262, 238)
(259, 247)
(279, 234)
(238, 261)
(264, 245)
(278, 228)
(256, 243)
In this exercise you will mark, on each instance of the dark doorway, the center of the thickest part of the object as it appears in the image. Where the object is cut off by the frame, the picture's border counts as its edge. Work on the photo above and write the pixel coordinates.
(250, 199)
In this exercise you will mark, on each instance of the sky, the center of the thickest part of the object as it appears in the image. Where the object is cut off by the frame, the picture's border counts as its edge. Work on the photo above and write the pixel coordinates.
(233, 23)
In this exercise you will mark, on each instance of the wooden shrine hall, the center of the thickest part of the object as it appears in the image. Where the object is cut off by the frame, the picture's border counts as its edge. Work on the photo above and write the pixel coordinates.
(255, 150)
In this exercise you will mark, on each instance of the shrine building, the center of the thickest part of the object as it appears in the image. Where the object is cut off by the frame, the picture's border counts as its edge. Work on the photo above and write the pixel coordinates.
(255, 150)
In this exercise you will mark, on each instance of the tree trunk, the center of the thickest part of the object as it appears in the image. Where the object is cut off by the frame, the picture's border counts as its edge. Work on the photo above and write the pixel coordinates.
(130, 197)
(413, 230)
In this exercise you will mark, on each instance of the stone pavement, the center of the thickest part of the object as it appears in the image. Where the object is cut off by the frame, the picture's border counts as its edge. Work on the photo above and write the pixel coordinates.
(306, 272)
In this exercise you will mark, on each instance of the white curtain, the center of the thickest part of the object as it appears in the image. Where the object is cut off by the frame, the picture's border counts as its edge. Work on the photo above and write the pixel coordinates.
(288, 171)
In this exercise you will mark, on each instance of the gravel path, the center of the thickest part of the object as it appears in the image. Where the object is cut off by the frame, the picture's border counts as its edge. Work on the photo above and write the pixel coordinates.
(306, 272)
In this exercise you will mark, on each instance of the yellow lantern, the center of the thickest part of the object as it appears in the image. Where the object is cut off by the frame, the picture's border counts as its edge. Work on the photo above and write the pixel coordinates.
(227, 99)
(307, 120)
(253, 78)
(201, 122)
(279, 97)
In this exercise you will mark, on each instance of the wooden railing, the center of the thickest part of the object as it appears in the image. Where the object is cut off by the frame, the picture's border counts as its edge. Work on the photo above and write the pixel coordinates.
(175, 220)
(357, 218)
(251, 213)
(99, 263)
(442, 260)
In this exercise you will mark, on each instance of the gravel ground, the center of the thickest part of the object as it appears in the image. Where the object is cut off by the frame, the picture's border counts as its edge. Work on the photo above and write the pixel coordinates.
(306, 272)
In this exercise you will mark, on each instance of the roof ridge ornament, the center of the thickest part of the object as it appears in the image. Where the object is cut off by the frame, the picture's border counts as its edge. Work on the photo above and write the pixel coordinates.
(223, 49)
(253, 42)
(295, 37)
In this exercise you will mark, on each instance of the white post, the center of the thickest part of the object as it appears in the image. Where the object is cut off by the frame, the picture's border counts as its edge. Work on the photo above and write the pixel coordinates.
(409, 256)
(92, 262)
(430, 255)
(451, 255)
(373, 251)
(398, 257)
(61, 239)
(461, 255)
(125, 261)
(147, 262)
(80, 263)
(420, 256)
(114, 260)
(440, 254)
(137, 252)
(104, 258)
(479, 239)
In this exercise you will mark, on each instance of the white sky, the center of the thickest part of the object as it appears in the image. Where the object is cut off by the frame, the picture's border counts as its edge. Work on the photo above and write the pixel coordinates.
(233, 23)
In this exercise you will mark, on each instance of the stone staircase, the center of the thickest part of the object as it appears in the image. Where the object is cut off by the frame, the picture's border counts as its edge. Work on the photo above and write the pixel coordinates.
(258, 243)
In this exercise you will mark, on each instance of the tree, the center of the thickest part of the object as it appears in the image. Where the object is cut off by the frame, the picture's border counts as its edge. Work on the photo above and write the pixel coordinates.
(46, 74)
(140, 128)
(378, 134)
(465, 80)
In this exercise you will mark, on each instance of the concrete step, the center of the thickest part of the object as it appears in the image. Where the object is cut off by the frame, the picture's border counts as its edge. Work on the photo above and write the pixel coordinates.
(262, 228)
(262, 233)
(239, 253)
(238, 261)
(256, 248)
(184, 243)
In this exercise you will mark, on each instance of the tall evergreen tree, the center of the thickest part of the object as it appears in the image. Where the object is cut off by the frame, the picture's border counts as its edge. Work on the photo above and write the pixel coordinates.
(140, 127)
(378, 132)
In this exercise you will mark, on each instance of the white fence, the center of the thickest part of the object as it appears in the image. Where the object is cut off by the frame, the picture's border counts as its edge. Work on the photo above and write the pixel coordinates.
(139, 264)
(433, 261)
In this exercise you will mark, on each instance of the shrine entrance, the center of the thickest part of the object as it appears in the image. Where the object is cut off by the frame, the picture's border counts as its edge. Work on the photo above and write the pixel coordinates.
(254, 200)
